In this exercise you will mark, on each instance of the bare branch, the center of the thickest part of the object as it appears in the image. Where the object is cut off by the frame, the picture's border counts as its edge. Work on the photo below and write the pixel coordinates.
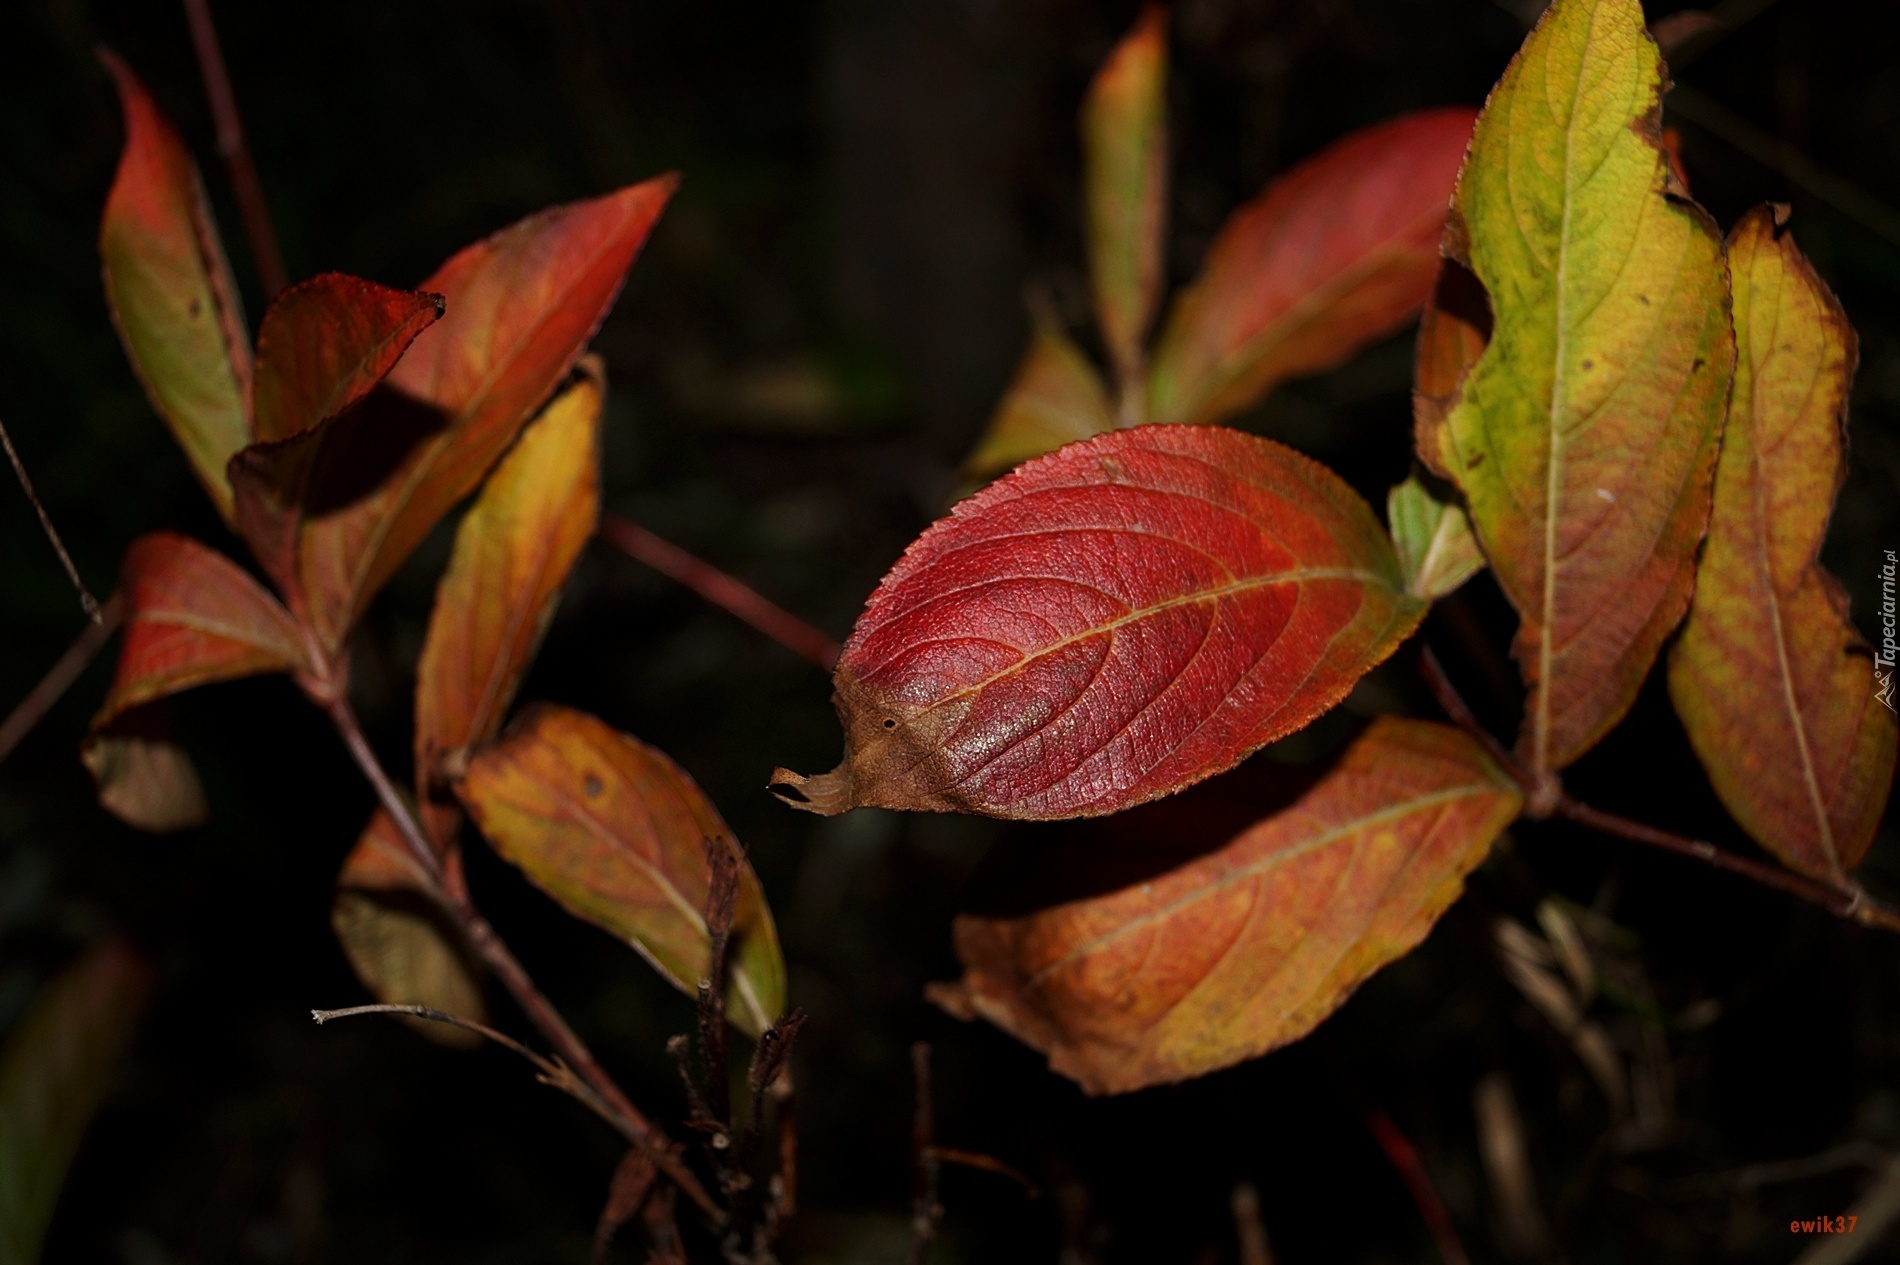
(235, 151)
(20, 722)
(52, 533)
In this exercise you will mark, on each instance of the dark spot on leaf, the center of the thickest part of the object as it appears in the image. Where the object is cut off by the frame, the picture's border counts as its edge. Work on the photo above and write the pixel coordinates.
(1475, 460)
(1643, 299)
(1697, 366)
(197, 306)
(1589, 365)
(889, 723)
(591, 785)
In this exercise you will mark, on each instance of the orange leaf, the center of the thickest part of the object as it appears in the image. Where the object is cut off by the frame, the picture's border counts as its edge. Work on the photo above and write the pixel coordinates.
(1339, 251)
(324, 343)
(365, 489)
(396, 937)
(1249, 947)
(170, 292)
(617, 833)
(193, 617)
(1125, 174)
(1774, 685)
(513, 551)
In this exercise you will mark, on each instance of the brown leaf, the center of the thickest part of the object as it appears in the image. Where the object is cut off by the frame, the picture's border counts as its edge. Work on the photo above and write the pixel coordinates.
(513, 551)
(616, 833)
(399, 942)
(143, 777)
(1774, 685)
(1249, 947)
(626, 1194)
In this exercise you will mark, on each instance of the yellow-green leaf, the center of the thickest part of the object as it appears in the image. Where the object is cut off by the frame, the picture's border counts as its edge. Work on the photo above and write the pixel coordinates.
(1056, 398)
(54, 1074)
(1773, 683)
(1584, 437)
(1432, 537)
(170, 292)
(1125, 178)
(617, 833)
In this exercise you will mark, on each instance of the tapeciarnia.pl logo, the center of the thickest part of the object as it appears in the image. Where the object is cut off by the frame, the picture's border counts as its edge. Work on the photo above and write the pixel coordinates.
(1884, 657)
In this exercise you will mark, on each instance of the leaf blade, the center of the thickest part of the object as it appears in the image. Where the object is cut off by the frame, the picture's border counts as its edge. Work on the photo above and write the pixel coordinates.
(1037, 654)
(1432, 535)
(1584, 437)
(324, 343)
(170, 292)
(1771, 679)
(1055, 398)
(513, 551)
(1184, 973)
(614, 831)
(1125, 178)
(1336, 253)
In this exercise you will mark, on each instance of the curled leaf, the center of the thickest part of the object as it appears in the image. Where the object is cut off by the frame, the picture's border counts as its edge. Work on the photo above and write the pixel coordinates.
(1773, 683)
(1125, 177)
(1249, 947)
(1584, 436)
(1107, 625)
(144, 778)
(170, 292)
(1339, 251)
(1432, 536)
(1056, 398)
(513, 551)
(397, 939)
(617, 833)
(324, 343)
(54, 1074)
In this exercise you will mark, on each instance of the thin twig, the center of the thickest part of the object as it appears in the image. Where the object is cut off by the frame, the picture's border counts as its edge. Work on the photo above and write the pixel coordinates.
(1249, 1229)
(236, 153)
(631, 1122)
(20, 722)
(985, 1163)
(1403, 1156)
(1850, 901)
(925, 1210)
(46, 525)
(722, 590)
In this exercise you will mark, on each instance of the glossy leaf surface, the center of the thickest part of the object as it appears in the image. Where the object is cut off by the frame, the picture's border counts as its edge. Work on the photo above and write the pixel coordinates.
(1109, 624)
(360, 493)
(1056, 398)
(1432, 536)
(54, 1074)
(513, 550)
(1584, 437)
(193, 617)
(324, 343)
(1339, 251)
(169, 289)
(399, 943)
(616, 833)
(1773, 683)
(1125, 181)
(1249, 947)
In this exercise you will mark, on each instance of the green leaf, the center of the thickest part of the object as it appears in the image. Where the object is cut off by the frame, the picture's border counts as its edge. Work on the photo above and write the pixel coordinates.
(1125, 175)
(1432, 536)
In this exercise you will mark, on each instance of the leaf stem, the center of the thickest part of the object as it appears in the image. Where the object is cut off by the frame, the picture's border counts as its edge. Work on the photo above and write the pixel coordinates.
(235, 150)
(488, 944)
(722, 590)
(1850, 901)
(20, 722)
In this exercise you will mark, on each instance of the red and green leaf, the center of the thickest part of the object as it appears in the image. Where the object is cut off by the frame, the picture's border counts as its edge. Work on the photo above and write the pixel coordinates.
(1249, 947)
(617, 833)
(170, 292)
(1336, 253)
(1109, 624)
(513, 551)
(1773, 683)
(1125, 178)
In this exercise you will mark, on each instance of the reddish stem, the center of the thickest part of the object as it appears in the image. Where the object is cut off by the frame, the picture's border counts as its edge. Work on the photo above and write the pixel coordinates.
(56, 682)
(720, 589)
(1404, 1158)
(235, 151)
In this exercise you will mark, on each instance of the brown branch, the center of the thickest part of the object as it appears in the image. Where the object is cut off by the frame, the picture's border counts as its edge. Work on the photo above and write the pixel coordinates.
(46, 525)
(236, 153)
(20, 722)
(722, 590)
(985, 1163)
(627, 1118)
(1403, 1157)
(1850, 901)
(925, 1210)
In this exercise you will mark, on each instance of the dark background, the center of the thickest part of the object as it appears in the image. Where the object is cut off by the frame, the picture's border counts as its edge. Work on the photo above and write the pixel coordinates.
(801, 358)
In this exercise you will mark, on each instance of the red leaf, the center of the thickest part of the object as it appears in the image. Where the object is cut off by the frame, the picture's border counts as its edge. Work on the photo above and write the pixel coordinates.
(1109, 624)
(193, 617)
(170, 293)
(1335, 253)
(324, 343)
(357, 496)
